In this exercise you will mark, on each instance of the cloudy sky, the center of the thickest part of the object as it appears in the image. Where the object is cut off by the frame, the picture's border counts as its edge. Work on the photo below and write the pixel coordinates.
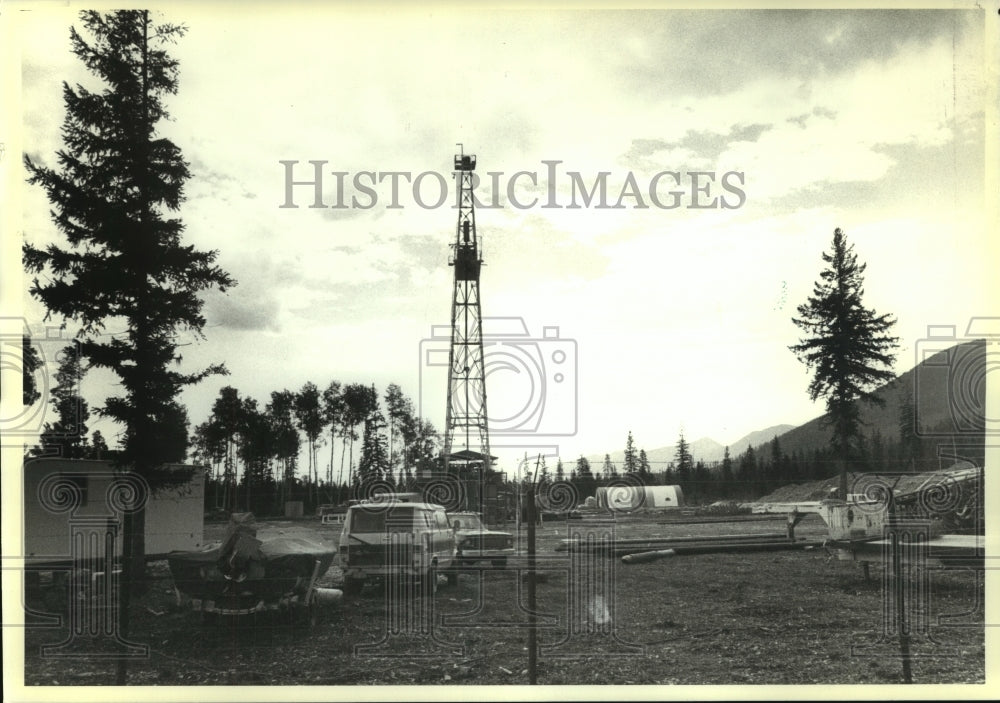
(872, 121)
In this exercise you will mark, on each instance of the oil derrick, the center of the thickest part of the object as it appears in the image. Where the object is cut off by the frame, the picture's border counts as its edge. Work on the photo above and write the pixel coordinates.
(467, 441)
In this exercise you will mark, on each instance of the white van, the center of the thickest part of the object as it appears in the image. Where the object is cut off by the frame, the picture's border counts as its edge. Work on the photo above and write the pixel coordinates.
(392, 538)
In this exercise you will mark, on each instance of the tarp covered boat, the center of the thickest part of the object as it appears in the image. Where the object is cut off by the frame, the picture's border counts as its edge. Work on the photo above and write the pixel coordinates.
(242, 572)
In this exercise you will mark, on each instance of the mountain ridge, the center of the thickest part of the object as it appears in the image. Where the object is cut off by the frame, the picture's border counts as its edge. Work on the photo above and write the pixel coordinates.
(703, 449)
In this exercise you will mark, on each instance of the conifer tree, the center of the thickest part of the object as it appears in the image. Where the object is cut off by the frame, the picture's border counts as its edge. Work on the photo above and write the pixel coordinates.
(374, 462)
(847, 347)
(684, 460)
(586, 481)
(631, 461)
(114, 194)
(67, 436)
(645, 473)
(726, 475)
(98, 447)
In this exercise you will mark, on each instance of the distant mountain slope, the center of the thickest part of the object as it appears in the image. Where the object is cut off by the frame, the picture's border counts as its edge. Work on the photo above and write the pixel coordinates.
(757, 438)
(947, 391)
(704, 449)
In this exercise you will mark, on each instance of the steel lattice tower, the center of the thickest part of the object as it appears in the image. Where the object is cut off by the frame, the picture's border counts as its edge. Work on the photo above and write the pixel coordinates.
(466, 418)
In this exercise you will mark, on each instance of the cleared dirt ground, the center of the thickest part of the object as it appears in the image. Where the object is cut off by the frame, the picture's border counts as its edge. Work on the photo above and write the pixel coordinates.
(797, 617)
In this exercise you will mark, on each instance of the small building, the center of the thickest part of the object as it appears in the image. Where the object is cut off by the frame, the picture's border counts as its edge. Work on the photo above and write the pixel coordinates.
(629, 498)
(332, 514)
(70, 502)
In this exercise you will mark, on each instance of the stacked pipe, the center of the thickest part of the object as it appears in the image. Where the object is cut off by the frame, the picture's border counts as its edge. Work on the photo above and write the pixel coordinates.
(708, 520)
(636, 551)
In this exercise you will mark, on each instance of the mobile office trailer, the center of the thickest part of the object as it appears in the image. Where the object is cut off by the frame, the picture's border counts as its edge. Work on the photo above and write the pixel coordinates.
(67, 502)
(628, 498)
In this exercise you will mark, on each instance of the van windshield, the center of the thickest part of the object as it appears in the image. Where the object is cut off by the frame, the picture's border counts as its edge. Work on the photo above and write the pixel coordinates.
(466, 521)
(397, 519)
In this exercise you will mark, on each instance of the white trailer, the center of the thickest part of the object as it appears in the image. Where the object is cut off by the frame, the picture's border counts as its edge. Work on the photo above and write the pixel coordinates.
(69, 502)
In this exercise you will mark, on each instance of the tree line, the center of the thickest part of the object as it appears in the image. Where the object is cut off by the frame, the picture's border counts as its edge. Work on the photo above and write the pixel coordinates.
(254, 451)
(757, 471)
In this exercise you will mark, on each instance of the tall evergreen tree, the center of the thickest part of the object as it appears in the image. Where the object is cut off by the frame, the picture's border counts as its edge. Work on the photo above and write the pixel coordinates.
(98, 447)
(425, 446)
(587, 484)
(374, 462)
(747, 472)
(333, 407)
(542, 477)
(173, 426)
(281, 417)
(774, 475)
(645, 473)
(356, 409)
(684, 462)
(396, 410)
(224, 427)
(701, 477)
(67, 436)
(909, 442)
(608, 469)
(256, 447)
(631, 461)
(30, 362)
(726, 475)
(125, 265)
(409, 429)
(847, 346)
(309, 418)
(670, 475)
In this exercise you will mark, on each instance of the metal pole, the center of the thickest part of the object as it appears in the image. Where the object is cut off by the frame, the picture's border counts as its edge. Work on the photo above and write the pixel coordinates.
(532, 620)
(899, 587)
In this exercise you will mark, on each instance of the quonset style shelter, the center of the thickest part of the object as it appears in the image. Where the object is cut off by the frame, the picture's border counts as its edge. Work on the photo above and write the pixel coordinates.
(629, 498)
